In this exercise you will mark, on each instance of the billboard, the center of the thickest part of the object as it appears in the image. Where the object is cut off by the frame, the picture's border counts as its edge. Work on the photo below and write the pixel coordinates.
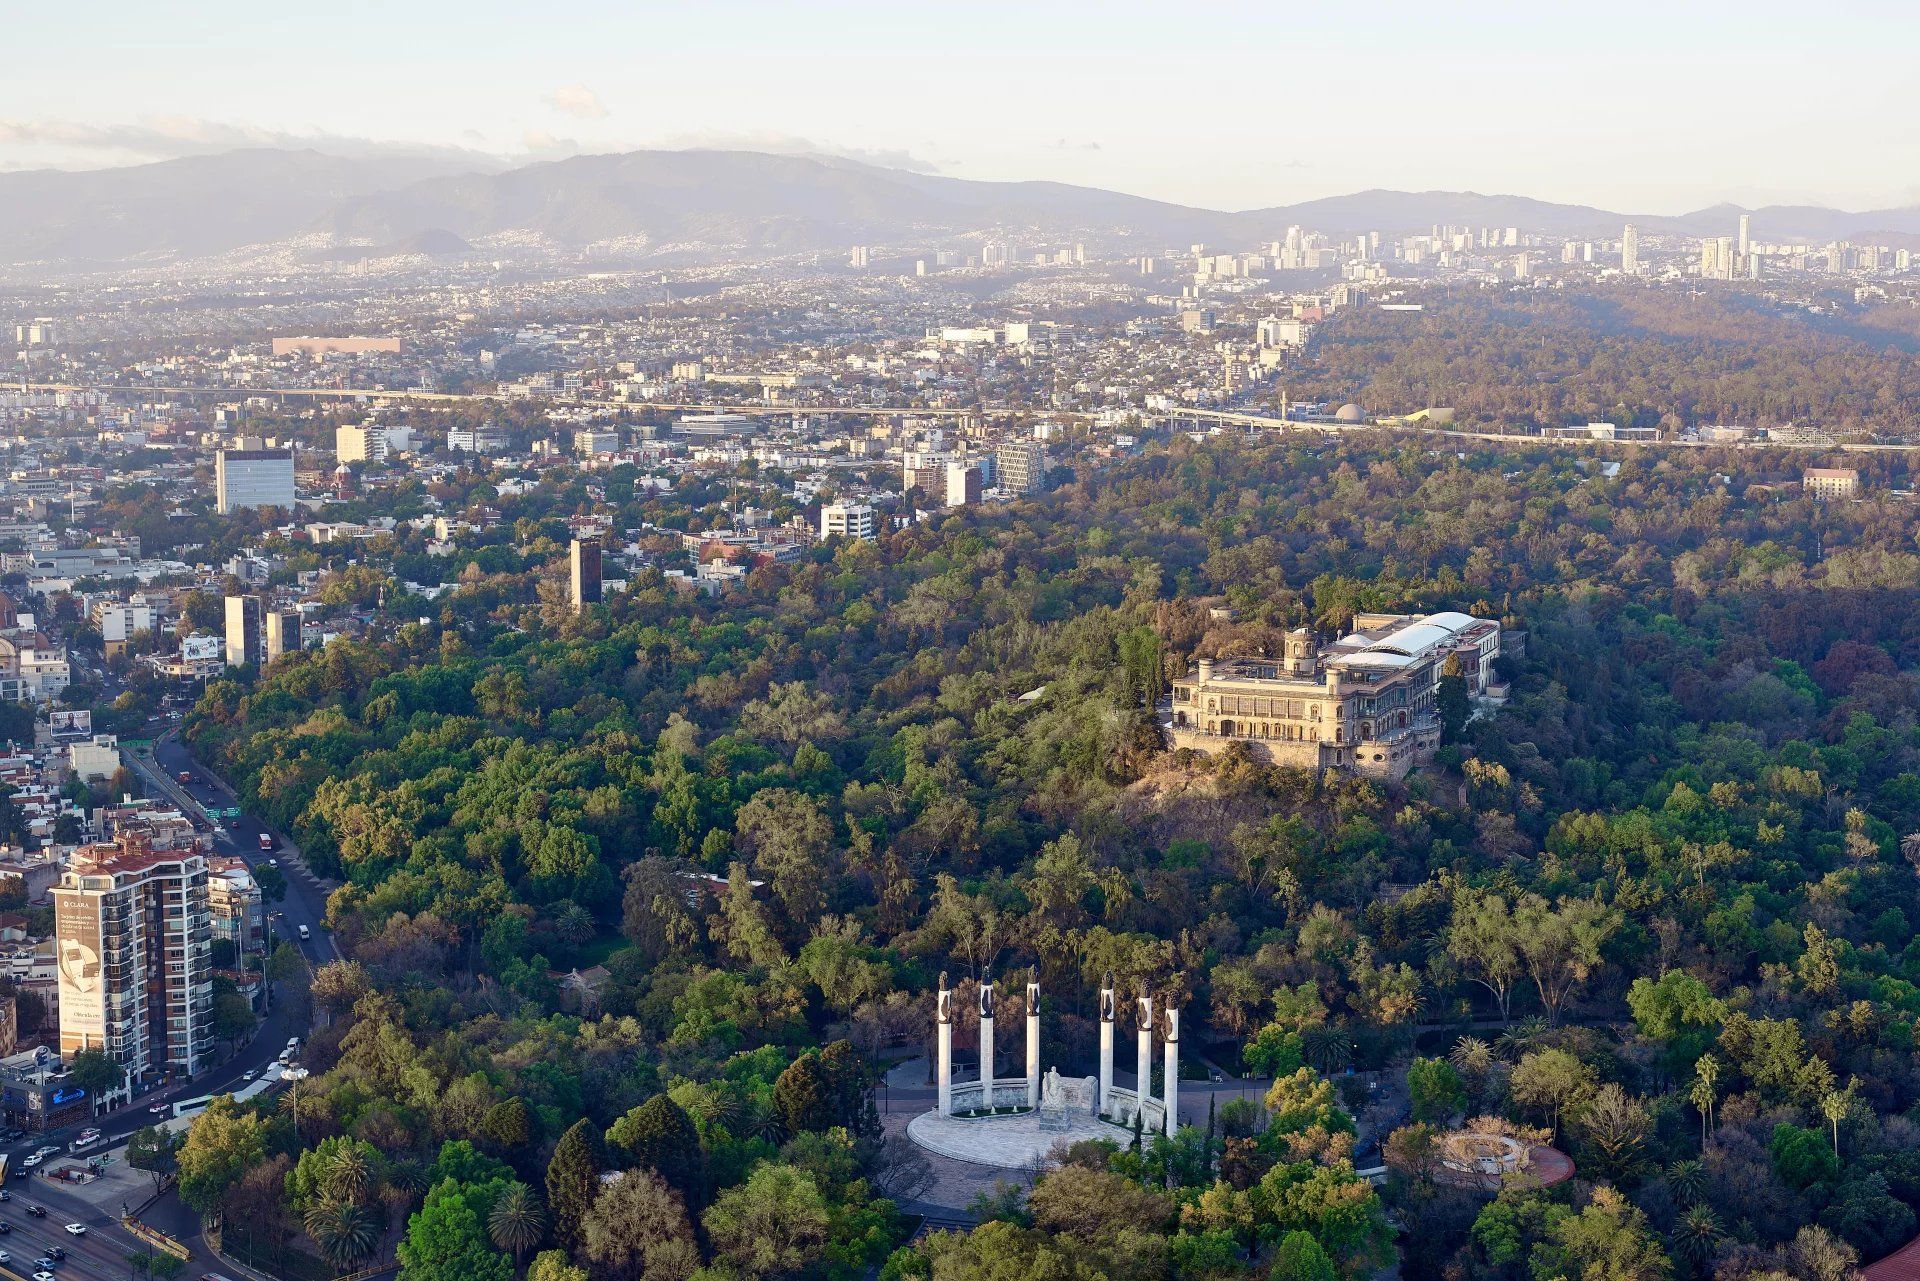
(201, 649)
(83, 997)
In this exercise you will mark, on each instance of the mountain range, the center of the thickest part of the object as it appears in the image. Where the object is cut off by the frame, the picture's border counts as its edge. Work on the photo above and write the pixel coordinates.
(756, 203)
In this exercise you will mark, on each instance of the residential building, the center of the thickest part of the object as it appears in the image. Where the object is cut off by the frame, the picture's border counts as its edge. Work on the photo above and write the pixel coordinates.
(848, 520)
(1022, 465)
(134, 941)
(246, 631)
(1630, 250)
(1363, 704)
(370, 442)
(962, 484)
(117, 621)
(486, 439)
(589, 442)
(1830, 482)
(234, 905)
(252, 478)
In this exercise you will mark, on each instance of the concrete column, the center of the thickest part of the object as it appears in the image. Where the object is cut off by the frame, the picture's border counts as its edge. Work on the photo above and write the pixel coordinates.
(1143, 1080)
(986, 1042)
(1033, 1046)
(1106, 1047)
(943, 1023)
(1172, 1070)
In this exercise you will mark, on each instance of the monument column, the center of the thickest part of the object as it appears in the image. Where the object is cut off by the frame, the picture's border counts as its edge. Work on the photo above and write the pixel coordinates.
(1171, 1068)
(1033, 1046)
(1143, 1083)
(1106, 1046)
(943, 1027)
(986, 1042)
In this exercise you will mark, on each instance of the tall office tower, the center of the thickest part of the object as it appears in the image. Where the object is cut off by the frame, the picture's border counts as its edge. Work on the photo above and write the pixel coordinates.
(1746, 229)
(1513, 238)
(252, 478)
(246, 631)
(1630, 250)
(1079, 253)
(1723, 253)
(962, 484)
(134, 947)
(585, 559)
(1709, 259)
(859, 257)
(1569, 252)
(280, 633)
(1022, 465)
(1522, 267)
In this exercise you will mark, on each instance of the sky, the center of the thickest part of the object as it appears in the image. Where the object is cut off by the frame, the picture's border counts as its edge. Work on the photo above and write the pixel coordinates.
(1634, 106)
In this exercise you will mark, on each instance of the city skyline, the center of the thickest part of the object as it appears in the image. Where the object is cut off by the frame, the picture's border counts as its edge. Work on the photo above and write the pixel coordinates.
(1267, 109)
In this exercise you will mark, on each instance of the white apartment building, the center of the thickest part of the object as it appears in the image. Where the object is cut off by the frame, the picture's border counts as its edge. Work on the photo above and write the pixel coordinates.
(849, 520)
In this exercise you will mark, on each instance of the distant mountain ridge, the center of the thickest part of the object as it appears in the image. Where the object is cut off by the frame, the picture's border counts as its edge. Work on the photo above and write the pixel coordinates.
(758, 203)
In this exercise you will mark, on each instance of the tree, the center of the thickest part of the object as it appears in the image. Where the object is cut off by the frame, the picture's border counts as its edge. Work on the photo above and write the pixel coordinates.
(552, 1265)
(346, 1233)
(233, 1017)
(151, 1149)
(661, 1137)
(1678, 1011)
(1551, 1081)
(1616, 1126)
(1560, 946)
(638, 1228)
(446, 1238)
(96, 1072)
(1485, 942)
(1450, 699)
(517, 1222)
(573, 1179)
(1437, 1093)
(1300, 1258)
(1609, 1240)
(1706, 1074)
(222, 1144)
(774, 1224)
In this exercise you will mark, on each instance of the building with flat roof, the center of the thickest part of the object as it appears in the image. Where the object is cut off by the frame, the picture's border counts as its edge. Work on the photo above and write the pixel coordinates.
(134, 951)
(849, 520)
(1362, 704)
(584, 570)
(252, 478)
(1830, 482)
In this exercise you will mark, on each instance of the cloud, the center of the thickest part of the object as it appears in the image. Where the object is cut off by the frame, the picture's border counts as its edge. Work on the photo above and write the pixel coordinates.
(786, 144)
(577, 101)
(171, 137)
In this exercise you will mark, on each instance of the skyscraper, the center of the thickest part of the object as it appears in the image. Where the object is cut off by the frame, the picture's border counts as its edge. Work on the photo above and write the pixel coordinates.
(246, 631)
(134, 953)
(1630, 250)
(1746, 229)
(585, 559)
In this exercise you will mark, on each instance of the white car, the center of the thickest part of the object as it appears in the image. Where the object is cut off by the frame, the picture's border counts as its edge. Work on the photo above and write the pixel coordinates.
(44, 1276)
(33, 1160)
(76, 1229)
(160, 1109)
(249, 1074)
(293, 1043)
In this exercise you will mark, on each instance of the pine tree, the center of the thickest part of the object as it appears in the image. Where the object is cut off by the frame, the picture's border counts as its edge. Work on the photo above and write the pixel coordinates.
(662, 1138)
(573, 1180)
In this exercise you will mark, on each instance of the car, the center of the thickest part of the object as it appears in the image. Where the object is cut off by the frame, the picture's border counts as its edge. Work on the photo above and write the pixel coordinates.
(305, 933)
(33, 1160)
(249, 1074)
(5, 1228)
(185, 776)
(19, 1171)
(5, 1257)
(160, 1109)
(76, 1229)
(37, 1211)
(55, 1253)
(293, 1043)
(46, 1149)
(273, 862)
(5, 1195)
(45, 1263)
(44, 1275)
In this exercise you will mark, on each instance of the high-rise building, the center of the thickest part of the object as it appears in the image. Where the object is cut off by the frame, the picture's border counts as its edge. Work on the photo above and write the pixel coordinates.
(860, 257)
(252, 478)
(369, 442)
(1746, 229)
(584, 563)
(280, 633)
(1022, 465)
(246, 631)
(848, 520)
(963, 484)
(134, 942)
(1630, 250)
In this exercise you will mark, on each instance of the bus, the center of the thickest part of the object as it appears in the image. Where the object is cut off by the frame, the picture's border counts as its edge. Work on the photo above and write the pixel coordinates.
(191, 1107)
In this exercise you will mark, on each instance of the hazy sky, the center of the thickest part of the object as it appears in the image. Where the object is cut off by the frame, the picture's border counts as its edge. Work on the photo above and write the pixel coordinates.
(1653, 107)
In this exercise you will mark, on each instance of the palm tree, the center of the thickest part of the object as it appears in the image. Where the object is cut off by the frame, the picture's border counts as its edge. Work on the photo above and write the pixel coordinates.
(346, 1233)
(1688, 1180)
(348, 1176)
(1695, 1235)
(1327, 1048)
(517, 1223)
